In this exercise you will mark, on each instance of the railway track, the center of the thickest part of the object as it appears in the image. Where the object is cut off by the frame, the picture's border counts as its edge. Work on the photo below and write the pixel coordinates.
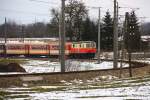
(57, 60)
(44, 58)
(33, 79)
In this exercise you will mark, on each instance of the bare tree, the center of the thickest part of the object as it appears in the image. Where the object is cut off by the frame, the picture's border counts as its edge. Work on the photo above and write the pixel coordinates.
(75, 13)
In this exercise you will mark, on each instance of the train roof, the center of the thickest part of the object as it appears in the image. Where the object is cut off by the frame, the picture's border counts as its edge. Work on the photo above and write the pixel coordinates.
(83, 42)
(33, 43)
(20, 43)
(53, 39)
(29, 40)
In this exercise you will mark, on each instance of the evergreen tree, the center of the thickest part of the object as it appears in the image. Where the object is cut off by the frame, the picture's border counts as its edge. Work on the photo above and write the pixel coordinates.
(132, 34)
(107, 32)
(89, 30)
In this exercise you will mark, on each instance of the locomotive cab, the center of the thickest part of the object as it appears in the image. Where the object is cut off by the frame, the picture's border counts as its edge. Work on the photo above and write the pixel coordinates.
(83, 49)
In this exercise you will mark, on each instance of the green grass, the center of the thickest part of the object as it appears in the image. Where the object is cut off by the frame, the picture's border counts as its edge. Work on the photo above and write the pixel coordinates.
(10, 60)
(17, 96)
(40, 89)
(3, 93)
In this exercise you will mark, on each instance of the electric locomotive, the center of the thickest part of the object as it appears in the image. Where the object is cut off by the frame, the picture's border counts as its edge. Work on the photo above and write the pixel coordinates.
(82, 49)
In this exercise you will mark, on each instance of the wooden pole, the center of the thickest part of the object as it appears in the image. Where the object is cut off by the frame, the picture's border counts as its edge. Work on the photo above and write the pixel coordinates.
(115, 32)
(63, 36)
(99, 34)
(5, 36)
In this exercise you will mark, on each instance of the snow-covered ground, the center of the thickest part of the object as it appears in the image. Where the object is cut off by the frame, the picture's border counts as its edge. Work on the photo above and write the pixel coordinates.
(39, 66)
(139, 93)
(146, 60)
(109, 89)
(42, 66)
(99, 88)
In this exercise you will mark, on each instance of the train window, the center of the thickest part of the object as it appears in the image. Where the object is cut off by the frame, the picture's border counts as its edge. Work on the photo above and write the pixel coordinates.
(82, 45)
(73, 45)
(88, 45)
(94, 45)
(79, 45)
(14, 47)
(35, 47)
(76, 46)
(38, 47)
(55, 47)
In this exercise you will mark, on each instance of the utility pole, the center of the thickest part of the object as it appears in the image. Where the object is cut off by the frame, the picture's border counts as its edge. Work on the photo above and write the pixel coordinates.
(99, 34)
(128, 40)
(5, 35)
(115, 41)
(23, 33)
(117, 30)
(62, 21)
(5, 31)
(124, 31)
(122, 48)
(130, 45)
(59, 35)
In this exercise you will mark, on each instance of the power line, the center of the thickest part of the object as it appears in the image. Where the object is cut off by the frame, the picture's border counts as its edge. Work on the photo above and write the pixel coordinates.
(132, 8)
(95, 8)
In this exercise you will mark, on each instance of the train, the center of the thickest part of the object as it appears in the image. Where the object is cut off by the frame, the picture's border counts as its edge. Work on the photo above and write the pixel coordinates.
(81, 49)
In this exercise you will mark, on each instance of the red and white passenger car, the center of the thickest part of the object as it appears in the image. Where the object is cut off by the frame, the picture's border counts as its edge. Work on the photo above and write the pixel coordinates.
(83, 49)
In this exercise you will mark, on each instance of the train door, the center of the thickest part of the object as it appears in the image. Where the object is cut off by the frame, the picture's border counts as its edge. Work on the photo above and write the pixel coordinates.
(68, 48)
(27, 50)
(2, 49)
(78, 47)
(48, 50)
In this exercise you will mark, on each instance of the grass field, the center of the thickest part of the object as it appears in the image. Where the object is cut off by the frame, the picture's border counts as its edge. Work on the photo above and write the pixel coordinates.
(6, 61)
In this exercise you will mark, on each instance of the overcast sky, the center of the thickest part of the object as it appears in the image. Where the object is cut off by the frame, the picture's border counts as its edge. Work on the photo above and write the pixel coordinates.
(28, 11)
